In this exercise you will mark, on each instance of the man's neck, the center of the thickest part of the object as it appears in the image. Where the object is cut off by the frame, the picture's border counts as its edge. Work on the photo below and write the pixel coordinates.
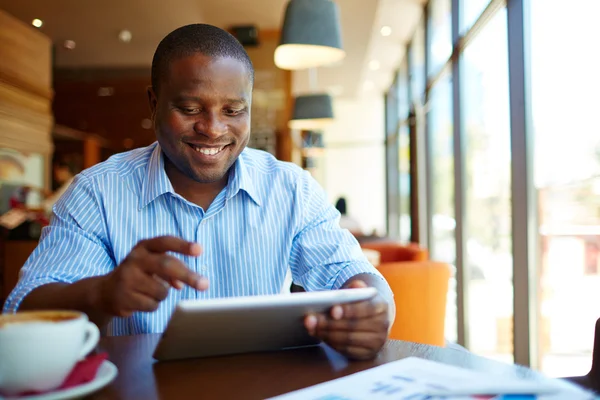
(201, 194)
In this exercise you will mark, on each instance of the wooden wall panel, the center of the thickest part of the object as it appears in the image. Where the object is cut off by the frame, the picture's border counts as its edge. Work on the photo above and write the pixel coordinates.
(25, 87)
(25, 55)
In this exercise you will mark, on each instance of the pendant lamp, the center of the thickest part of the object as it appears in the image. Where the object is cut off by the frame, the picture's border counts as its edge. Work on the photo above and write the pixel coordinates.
(312, 112)
(310, 36)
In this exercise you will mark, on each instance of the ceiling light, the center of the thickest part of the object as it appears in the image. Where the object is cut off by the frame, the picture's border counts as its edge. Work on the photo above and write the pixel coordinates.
(310, 36)
(146, 123)
(125, 36)
(37, 23)
(69, 44)
(374, 65)
(106, 91)
(312, 112)
(385, 31)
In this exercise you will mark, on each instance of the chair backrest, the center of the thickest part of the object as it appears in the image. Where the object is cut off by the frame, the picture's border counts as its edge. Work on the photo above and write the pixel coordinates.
(393, 251)
(420, 292)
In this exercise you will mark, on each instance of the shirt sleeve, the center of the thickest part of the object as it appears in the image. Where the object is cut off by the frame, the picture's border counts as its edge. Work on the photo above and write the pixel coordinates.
(324, 256)
(72, 247)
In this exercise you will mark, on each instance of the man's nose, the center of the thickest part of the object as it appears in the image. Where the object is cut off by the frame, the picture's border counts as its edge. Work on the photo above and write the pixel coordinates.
(211, 124)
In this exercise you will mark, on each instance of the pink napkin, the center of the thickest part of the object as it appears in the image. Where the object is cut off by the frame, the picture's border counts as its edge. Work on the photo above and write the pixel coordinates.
(83, 372)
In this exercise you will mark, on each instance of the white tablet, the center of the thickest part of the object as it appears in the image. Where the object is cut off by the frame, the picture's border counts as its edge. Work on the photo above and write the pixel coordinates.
(202, 328)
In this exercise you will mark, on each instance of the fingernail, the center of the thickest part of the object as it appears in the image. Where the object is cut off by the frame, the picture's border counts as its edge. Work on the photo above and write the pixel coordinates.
(195, 249)
(337, 312)
(202, 283)
(178, 285)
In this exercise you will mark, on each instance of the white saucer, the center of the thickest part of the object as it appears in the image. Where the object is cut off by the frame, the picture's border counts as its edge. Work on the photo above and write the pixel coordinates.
(105, 375)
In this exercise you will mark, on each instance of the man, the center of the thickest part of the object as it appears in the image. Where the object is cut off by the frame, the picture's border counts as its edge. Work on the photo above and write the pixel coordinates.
(125, 241)
(64, 173)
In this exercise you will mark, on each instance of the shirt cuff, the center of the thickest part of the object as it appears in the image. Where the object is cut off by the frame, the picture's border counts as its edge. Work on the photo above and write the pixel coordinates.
(19, 293)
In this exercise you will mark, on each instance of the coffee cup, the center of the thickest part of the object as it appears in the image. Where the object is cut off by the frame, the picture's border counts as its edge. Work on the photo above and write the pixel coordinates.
(38, 349)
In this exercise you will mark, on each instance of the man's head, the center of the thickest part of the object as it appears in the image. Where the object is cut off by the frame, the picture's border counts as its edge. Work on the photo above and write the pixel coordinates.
(63, 171)
(200, 100)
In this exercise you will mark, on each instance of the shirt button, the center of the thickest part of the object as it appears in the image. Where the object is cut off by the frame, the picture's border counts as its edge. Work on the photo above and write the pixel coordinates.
(204, 268)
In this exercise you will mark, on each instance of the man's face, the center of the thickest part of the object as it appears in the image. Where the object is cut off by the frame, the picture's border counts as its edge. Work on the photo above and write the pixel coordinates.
(201, 115)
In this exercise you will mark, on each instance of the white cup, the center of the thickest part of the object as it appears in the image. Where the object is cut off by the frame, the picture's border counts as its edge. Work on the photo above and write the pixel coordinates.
(38, 349)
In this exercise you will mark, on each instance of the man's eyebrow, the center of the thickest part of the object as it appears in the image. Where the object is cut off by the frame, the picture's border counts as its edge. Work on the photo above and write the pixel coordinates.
(242, 102)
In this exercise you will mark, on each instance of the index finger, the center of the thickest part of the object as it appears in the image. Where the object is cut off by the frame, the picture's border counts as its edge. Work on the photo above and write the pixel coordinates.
(163, 244)
(171, 269)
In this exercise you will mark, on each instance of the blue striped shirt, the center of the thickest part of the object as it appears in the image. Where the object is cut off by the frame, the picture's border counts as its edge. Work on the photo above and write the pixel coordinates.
(270, 218)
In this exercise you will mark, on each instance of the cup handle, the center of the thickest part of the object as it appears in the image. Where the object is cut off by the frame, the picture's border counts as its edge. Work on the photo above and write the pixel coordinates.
(92, 336)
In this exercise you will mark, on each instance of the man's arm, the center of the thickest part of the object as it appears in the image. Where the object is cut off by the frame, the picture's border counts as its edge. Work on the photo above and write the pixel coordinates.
(66, 268)
(324, 256)
(82, 295)
(72, 267)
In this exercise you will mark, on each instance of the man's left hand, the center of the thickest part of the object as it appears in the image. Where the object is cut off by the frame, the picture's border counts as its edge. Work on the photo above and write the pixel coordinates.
(358, 330)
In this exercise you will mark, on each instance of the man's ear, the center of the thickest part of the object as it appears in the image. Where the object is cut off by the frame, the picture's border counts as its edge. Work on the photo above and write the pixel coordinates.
(152, 101)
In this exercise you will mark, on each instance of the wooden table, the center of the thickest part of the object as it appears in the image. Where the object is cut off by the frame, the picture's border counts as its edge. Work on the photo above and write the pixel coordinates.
(258, 376)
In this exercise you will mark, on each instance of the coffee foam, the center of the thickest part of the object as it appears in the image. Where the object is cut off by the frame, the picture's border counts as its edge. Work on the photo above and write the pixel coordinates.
(36, 317)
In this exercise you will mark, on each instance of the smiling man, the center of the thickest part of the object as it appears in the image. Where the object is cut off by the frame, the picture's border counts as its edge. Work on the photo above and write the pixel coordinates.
(198, 215)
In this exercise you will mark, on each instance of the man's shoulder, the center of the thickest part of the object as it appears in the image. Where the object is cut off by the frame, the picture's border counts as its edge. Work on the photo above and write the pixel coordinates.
(262, 163)
(121, 164)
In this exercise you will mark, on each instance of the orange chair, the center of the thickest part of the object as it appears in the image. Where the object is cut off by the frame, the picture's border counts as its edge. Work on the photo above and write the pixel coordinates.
(392, 251)
(420, 289)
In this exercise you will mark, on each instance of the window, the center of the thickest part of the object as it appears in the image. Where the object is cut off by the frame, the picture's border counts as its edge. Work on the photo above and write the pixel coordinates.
(471, 11)
(404, 153)
(391, 158)
(565, 82)
(488, 238)
(440, 33)
(417, 65)
(441, 143)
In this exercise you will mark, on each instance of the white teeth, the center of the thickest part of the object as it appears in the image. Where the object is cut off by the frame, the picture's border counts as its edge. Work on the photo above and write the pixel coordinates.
(210, 151)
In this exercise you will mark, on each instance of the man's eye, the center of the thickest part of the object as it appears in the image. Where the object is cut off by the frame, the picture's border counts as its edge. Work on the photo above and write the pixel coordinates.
(231, 111)
(190, 110)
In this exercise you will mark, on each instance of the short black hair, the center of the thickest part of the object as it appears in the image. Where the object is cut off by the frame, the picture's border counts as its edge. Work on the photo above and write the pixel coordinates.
(196, 38)
(341, 205)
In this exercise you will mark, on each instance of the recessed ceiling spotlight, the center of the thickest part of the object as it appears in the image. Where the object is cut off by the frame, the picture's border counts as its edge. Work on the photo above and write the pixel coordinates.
(374, 65)
(69, 44)
(385, 31)
(128, 143)
(106, 91)
(146, 123)
(125, 36)
(37, 23)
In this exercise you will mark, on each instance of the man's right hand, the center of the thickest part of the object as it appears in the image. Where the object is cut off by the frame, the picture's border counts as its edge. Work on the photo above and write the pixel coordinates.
(144, 278)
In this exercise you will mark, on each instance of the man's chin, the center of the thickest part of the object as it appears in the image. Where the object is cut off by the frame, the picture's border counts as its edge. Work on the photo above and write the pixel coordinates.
(209, 177)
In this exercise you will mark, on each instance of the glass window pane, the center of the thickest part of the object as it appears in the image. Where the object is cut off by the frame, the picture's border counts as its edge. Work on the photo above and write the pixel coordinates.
(403, 90)
(440, 31)
(488, 261)
(443, 236)
(471, 11)
(417, 64)
(404, 153)
(565, 82)
(391, 156)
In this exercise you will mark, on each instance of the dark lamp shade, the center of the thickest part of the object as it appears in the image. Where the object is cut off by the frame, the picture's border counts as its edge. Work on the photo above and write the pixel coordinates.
(311, 35)
(312, 112)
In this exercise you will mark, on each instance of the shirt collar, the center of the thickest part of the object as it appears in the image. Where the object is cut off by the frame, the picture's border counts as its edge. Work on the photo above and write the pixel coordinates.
(240, 179)
(156, 182)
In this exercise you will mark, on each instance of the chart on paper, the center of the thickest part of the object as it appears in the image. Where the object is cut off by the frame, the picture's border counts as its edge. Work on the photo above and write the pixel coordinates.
(416, 379)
